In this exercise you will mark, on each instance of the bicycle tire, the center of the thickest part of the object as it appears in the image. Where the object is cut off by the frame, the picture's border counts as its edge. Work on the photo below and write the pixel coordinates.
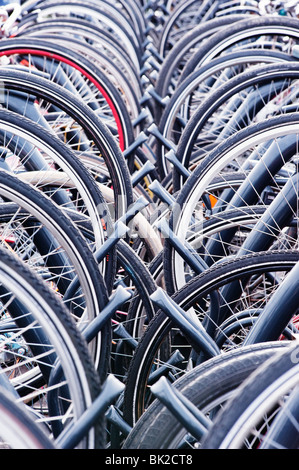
(257, 77)
(14, 418)
(204, 174)
(17, 131)
(246, 28)
(277, 373)
(206, 386)
(49, 312)
(107, 15)
(40, 48)
(112, 71)
(84, 116)
(171, 65)
(159, 328)
(201, 11)
(69, 237)
(182, 104)
(90, 34)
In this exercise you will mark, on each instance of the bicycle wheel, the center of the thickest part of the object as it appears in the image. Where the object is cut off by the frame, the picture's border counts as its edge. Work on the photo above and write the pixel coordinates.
(208, 387)
(90, 34)
(67, 69)
(105, 15)
(195, 88)
(27, 146)
(162, 338)
(270, 32)
(255, 141)
(176, 60)
(184, 17)
(230, 109)
(266, 393)
(75, 124)
(45, 238)
(18, 429)
(112, 72)
(44, 318)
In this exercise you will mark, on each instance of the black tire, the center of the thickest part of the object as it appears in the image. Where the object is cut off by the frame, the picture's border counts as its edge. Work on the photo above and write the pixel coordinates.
(46, 310)
(19, 431)
(151, 345)
(196, 11)
(206, 386)
(37, 136)
(106, 15)
(279, 372)
(246, 28)
(68, 236)
(274, 73)
(192, 91)
(86, 118)
(140, 308)
(25, 46)
(178, 56)
(93, 35)
(210, 168)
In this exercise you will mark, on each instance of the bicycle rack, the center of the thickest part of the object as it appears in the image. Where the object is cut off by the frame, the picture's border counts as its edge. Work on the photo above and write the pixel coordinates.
(140, 140)
(114, 417)
(89, 332)
(191, 257)
(143, 116)
(138, 206)
(119, 297)
(197, 335)
(164, 196)
(75, 432)
(139, 175)
(122, 333)
(188, 414)
(120, 230)
(172, 158)
(167, 368)
(153, 51)
(184, 249)
(146, 68)
(153, 129)
(210, 324)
